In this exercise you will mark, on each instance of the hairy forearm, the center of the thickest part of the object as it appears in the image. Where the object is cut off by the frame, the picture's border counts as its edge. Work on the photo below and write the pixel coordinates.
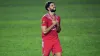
(58, 29)
(48, 29)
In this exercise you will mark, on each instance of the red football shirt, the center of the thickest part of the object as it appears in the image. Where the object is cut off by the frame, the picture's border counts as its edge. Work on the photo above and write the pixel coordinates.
(47, 21)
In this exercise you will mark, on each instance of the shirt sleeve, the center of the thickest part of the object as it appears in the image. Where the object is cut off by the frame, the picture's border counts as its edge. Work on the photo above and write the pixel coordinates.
(44, 21)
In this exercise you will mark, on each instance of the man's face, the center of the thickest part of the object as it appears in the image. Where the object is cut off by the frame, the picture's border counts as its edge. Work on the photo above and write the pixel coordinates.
(52, 7)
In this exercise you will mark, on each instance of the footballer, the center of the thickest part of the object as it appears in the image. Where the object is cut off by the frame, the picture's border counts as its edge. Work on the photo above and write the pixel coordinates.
(50, 28)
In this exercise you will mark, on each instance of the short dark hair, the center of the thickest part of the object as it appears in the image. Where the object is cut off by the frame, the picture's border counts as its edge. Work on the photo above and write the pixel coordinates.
(47, 5)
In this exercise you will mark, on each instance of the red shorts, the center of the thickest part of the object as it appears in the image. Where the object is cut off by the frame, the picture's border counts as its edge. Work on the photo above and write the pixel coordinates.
(50, 45)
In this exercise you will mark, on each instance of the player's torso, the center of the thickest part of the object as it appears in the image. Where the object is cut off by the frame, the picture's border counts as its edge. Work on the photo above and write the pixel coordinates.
(49, 21)
(53, 32)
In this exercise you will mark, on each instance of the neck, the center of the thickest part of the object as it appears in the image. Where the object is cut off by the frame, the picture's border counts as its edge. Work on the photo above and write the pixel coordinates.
(51, 13)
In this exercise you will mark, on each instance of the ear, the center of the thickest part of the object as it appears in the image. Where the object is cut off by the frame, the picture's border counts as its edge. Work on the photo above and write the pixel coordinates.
(48, 9)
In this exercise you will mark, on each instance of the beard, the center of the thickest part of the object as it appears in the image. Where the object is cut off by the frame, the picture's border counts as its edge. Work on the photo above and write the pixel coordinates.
(53, 10)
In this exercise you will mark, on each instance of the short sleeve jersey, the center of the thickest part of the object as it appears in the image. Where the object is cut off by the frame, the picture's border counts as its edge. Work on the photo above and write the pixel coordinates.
(47, 21)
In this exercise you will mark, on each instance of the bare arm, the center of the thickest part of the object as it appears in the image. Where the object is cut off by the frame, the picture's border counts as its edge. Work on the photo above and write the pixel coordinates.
(58, 28)
(58, 25)
(45, 30)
